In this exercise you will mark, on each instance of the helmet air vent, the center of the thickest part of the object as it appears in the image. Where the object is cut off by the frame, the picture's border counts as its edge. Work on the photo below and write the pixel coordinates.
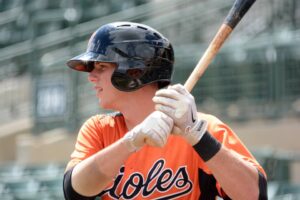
(122, 25)
(157, 35)
(144, 28)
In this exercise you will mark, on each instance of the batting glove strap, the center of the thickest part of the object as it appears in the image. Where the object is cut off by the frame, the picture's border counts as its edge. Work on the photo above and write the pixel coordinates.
(194, 134)
(207, 147)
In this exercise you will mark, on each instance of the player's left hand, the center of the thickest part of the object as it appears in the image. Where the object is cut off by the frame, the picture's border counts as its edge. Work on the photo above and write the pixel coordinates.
(153, 131)
(179, 104)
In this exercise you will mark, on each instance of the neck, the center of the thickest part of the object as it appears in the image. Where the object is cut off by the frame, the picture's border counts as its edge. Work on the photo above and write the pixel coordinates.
(138, 106)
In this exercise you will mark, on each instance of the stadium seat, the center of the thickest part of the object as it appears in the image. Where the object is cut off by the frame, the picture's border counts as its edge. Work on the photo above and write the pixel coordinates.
(22, 188)
(44, 171)
(34, 182)
(52, 185)
(11, 172)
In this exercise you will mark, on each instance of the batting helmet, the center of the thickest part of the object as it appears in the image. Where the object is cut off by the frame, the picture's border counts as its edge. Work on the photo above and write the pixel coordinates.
(142, 55)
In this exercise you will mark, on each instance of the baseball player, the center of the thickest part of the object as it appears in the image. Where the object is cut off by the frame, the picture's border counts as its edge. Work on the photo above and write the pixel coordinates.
(157, 145)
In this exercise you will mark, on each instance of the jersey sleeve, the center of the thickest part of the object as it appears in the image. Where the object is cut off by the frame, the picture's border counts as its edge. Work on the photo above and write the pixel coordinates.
(226, 136)
(88, 142)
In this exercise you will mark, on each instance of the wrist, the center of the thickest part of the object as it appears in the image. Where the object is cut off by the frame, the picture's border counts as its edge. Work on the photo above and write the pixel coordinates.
(129, 141)
(194, 134)
(207, 147)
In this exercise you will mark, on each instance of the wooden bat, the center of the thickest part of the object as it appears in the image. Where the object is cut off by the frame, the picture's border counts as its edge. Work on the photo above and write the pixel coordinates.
(238, 10)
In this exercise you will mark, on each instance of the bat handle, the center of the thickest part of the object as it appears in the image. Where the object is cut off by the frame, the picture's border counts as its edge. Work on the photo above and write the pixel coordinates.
(208, 56)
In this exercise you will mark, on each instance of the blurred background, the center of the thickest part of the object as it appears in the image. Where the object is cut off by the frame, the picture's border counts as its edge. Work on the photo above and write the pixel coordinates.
(253, 84)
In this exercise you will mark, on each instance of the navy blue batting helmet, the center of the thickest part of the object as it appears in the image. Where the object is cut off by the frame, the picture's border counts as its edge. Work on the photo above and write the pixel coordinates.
(142, 55)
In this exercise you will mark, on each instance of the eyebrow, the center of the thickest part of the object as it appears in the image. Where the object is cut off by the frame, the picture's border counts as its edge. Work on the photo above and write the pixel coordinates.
(100, 65)
(103, 64)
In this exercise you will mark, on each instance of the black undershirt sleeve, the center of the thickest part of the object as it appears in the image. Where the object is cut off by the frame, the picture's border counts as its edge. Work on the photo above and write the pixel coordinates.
(262, 185)
(69, 192)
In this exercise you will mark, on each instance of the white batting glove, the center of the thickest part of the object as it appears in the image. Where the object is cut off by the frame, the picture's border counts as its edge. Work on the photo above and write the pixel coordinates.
(179, 104)
(154, 131)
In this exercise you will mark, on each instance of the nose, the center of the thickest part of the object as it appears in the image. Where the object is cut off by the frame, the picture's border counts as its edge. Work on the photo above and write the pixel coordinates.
(92, 77)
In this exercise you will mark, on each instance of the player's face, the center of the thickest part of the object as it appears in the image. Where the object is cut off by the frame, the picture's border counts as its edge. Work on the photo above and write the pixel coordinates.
(107, 94)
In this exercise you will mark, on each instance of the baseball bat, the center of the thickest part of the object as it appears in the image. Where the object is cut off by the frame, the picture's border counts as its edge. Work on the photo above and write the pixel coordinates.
(236, 13)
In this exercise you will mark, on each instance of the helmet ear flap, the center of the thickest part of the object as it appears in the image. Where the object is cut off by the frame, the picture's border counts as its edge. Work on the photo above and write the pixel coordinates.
(135, 73)
(124, 82)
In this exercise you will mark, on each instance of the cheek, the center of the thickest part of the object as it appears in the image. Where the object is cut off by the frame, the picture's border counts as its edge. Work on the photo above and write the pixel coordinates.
(110, 94)
(110, 87)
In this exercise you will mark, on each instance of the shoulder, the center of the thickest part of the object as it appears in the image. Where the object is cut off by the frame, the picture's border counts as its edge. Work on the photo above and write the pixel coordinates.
(98, 125)
(211, 119)
(215, 125)
(103, 120)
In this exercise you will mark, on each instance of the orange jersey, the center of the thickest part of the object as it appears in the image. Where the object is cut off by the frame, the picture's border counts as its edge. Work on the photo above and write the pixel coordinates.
(175, 171)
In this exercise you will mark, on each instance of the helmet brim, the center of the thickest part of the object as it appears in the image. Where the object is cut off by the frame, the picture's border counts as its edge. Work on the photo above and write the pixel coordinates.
(85, 62)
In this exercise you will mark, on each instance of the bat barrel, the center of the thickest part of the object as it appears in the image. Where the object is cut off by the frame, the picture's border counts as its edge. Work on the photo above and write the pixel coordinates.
(238, 10)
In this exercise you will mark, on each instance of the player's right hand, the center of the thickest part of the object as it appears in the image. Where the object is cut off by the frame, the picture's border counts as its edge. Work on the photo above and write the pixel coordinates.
(154, 131)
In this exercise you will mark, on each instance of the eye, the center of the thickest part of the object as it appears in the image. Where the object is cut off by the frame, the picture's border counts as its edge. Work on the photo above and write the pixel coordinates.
(102, 68)
(99, 66)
